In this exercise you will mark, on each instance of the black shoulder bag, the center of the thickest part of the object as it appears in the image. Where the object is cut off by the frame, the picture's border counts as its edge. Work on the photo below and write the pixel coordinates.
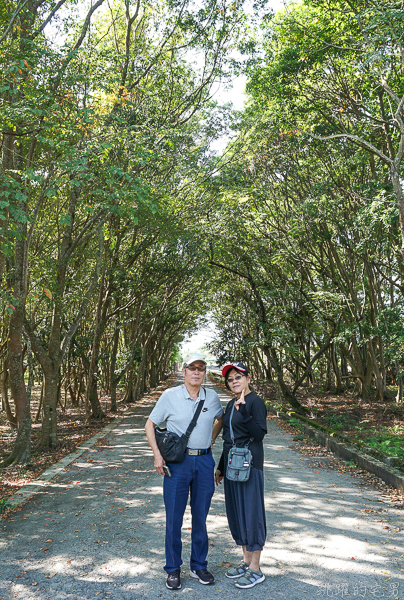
(171, 445)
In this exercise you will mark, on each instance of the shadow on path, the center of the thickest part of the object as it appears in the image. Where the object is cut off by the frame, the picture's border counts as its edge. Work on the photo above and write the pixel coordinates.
(97, 530)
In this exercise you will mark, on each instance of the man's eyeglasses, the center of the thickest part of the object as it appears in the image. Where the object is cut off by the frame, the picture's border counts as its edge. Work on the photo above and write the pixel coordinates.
(234, 379)
(194, 368)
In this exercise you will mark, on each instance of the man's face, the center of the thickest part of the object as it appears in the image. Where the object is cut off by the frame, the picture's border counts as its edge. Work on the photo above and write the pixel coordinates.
(194, 377)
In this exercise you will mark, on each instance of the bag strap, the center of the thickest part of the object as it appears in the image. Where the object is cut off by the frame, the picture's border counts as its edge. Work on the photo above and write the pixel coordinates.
(231, 428)
(232, 432)
(194, 419)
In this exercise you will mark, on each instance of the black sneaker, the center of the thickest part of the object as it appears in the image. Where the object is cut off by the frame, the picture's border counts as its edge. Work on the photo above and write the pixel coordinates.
(173, 580)
(203, 576)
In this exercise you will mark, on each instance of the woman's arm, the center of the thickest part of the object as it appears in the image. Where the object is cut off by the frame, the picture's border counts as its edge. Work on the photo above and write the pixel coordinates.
(256, 421)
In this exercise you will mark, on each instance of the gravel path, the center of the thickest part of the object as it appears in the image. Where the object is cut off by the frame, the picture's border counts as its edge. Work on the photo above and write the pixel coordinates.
(97, 530)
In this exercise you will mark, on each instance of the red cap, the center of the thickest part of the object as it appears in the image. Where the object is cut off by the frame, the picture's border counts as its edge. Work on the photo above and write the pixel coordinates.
(234, 365)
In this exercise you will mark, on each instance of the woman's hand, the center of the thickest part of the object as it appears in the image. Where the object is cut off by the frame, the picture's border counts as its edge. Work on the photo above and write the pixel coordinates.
(218, 477)
(239, 401)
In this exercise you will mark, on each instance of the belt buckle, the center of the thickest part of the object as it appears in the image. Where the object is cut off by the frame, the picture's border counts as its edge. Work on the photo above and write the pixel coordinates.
(193, 452)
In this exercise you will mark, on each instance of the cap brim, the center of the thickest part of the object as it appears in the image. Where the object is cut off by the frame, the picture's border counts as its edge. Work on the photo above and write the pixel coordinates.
(196, 360)
(227, 368)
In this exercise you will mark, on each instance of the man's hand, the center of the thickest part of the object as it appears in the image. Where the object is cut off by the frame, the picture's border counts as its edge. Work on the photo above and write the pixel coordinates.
(218, 477)
(158, 464)
(151, 438)
(240, 400)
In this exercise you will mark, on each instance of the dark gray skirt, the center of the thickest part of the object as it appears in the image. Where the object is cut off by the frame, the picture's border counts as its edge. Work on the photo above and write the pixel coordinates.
(245, 510)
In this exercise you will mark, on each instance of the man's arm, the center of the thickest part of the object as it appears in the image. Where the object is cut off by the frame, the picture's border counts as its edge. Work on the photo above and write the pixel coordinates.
(151, 438)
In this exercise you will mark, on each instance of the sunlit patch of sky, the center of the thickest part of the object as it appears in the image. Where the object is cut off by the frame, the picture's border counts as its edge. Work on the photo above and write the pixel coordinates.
(234, 93)
(203, 336)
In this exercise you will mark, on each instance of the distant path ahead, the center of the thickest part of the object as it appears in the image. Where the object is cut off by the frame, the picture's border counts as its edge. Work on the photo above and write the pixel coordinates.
(97, 531)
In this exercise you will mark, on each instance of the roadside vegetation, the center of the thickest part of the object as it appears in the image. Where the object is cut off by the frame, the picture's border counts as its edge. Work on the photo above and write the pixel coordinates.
(371, 424)
(122, 229)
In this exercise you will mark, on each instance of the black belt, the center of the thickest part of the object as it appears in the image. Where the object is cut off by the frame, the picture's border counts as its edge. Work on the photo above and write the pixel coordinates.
(194, 452)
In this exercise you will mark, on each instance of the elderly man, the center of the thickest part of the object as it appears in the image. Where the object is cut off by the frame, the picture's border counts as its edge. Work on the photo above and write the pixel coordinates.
(195, 474)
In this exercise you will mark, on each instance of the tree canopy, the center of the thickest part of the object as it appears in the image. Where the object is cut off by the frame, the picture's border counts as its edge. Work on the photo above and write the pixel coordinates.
(121, 228)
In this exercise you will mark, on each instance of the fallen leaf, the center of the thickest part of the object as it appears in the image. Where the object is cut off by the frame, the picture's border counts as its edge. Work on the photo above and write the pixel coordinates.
(50, 575)
(48, 541)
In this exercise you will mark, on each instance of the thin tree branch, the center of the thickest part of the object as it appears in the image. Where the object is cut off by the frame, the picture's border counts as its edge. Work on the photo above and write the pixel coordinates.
(87, 297)
(86, 25)
(48, 18)
(13, 18)
(317, 355)
(354, 138)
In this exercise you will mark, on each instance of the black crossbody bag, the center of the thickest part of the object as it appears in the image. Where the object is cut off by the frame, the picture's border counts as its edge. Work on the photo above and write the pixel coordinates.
(171, 445)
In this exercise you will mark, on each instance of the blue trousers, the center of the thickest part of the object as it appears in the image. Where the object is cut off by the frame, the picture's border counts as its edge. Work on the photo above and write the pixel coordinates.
(194, 474)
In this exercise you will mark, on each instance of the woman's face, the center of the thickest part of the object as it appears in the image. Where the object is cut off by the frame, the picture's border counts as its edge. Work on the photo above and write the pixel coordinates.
(238, 382)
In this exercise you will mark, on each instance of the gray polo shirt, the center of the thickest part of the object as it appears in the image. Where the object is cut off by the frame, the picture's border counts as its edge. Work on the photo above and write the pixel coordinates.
(176, 406)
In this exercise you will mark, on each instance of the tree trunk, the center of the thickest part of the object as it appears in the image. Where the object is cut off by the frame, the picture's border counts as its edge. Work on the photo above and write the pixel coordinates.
(38, 412)
(12, 419)
(383, 368)
(398, 190)
(153, 374)
(344, 366)
(337, 372)
(376, 371)
(49, 413)
(399, 397)
(22, 447)
(92, 387)
(139, 388)
(114, 379)
(129, 392)
(288, 396)
(328, 375)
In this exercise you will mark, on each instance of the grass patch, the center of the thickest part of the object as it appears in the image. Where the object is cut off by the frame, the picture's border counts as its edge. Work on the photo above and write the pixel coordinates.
(338, 422)
(388, 443)
(296, 423)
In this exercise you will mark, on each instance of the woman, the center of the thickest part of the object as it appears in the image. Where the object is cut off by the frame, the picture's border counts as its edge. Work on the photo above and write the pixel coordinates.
(244, 500)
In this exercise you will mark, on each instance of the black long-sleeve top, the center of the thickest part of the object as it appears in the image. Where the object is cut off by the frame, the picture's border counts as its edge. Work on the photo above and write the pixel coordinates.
(250, 421)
